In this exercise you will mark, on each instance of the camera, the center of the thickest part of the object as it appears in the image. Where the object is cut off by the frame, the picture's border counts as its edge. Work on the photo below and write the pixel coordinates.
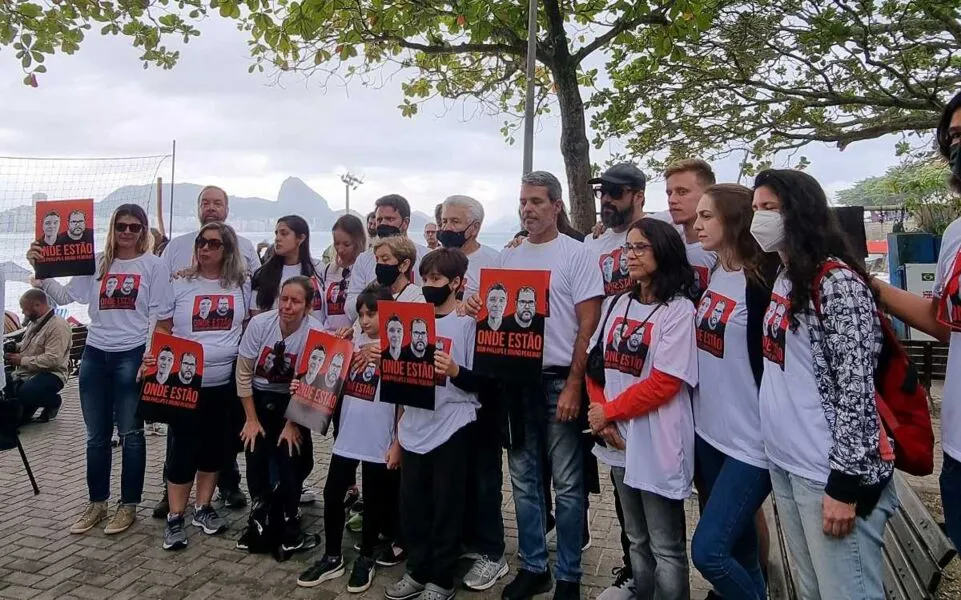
(10, 347)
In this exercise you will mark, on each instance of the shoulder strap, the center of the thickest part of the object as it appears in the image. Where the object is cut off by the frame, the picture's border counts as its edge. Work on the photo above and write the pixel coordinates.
(610, 309)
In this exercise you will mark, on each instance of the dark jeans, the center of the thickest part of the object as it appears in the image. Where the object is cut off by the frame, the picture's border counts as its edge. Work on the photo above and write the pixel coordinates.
(951, 498)
(26, 396)
(270, 412)
(433, 489)
(200, 443)
(109, 394)
(725, 544)
(381, 489)
(483, 519)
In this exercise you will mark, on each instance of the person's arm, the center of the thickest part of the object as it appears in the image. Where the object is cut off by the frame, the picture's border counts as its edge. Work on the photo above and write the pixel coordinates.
(245, 378)
(361, 275)
(917, 311)
(595, 392)
(165, 325)
(468, 381)
(641, 398)
(588, 313)
(76, 290)
(55, 346)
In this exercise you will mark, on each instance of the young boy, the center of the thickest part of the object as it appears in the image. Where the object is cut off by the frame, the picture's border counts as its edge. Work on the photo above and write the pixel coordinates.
(435, 442)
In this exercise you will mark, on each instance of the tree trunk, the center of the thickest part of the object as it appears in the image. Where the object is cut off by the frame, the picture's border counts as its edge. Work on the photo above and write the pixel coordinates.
(575, 148)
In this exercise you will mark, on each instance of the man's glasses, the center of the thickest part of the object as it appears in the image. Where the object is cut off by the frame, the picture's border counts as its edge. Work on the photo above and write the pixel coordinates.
(614, 192)
(638, 249)
(212, 243)
(131, 227)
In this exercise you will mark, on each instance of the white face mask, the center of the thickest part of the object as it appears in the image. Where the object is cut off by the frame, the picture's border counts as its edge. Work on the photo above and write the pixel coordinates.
(767, 227)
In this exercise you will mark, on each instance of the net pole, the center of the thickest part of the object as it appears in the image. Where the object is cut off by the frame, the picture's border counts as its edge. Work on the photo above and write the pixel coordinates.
(173, 171)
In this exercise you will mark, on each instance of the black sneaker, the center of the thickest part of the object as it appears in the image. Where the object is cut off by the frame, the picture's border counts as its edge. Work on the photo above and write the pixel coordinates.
(47, 414)
(391, 555)
(162, 508)
(233, 498)
(325, 569)
(361, 575)
(527, 584)
(567, 590)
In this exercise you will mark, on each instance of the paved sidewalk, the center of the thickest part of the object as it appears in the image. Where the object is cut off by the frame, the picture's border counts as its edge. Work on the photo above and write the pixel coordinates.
(40, 559)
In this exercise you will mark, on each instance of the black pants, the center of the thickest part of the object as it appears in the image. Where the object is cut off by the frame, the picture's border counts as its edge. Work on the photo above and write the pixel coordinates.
(483, 519)
(381, 489)
(433, 489)
(270, 411)
(25, 397)
(201, 442)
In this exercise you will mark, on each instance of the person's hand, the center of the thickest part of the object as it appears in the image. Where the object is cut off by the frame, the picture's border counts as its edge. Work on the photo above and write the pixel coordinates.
(516, 241)
(250, 432)
(472, 305)
(294, 384)
(569, 403)
(346, 333)
(180, 274)
(366, 355)
(445, 365)
(291, 435)
(612, 437)
(393, 456)
(596, 419)
(598, 230)
(35, 253)
(149, 361)
(13, 358)
(37, 283)
(838, 517)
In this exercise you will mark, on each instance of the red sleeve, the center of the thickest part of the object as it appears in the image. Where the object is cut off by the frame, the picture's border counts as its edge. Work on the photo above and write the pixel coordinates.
(595, 392)
(643, 397)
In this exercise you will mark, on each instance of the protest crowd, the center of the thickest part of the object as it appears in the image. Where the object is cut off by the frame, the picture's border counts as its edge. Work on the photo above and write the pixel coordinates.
(732, 345)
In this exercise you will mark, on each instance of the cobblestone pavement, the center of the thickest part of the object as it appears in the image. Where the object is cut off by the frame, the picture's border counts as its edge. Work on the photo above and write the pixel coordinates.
(40, 559)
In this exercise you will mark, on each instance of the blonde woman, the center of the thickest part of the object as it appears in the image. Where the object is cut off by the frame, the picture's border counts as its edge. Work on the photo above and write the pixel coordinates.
(395, 257)
(207, 304)
(123, 296)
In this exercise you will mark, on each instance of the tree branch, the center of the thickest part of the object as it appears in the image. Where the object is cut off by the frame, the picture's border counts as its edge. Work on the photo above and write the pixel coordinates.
(624, 23)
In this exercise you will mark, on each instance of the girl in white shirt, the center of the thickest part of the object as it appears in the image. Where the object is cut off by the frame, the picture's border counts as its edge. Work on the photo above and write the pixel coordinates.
(290, 257)
(349, 242)
(123, 297)
(206, 304)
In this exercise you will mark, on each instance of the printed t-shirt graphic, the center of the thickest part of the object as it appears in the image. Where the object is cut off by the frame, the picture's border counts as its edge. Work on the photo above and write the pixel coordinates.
(949, 310)
(627, 346)
(775, 328)
(213, 312)
(713, 313)
(266, 362)
(336, 297)
(614, 270)
(118, 291)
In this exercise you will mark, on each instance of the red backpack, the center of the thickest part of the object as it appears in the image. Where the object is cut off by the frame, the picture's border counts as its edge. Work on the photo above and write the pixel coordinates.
(901, 400)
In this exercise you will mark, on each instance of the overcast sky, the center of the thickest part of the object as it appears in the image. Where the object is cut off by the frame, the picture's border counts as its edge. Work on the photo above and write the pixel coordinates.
(247, 134)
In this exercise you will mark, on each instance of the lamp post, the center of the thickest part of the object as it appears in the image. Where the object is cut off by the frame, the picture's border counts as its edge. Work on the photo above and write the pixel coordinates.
(351, 181)
(529, 103)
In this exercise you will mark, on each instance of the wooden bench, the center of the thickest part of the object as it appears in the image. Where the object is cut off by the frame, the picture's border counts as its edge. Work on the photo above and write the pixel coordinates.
(78, 340)
(915, 554)
(930, 359)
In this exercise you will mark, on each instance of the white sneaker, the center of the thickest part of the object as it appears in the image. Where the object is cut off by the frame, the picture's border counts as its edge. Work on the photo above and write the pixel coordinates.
(621, 589)
(307, 495)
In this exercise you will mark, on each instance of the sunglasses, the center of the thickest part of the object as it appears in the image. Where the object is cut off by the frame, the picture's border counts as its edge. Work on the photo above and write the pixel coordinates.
(131, 227)
(614, 192)
(212, 243)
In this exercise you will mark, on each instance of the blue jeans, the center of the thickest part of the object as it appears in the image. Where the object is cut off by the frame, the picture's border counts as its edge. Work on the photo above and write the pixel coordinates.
(951, 498)
(562, 442)
(109, 394)
(847, 568)
(725, 544)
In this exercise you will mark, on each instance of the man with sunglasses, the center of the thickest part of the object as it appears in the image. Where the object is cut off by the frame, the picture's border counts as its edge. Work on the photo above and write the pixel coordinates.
(212, 206)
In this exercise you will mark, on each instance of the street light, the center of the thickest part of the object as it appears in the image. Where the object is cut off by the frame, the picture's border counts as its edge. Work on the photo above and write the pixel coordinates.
(529, 104)
(351, 181)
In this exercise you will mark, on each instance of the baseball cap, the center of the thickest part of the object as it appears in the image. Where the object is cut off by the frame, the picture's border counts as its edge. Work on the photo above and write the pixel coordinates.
(625, 174)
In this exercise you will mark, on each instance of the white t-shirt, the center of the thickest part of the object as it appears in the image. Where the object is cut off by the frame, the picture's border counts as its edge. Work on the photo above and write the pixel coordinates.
(263, 332)
(607, 252)
(123, 305)
(484, 257)
(575, 278)
(179, 253)
(206, 312)
(726, 412)
(660, 444)
(947, 288)
(793, 425)
(334, 290)
(703, 262)
(411, 293)
(364, 273)
(366, 428)
(421, 430)
(286, 273)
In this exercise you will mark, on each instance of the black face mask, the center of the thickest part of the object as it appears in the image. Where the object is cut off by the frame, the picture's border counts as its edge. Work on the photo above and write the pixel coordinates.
(387, 274)
(436, 295)
(384, 231)
(954, 159)
(611, 217)
(452, 239)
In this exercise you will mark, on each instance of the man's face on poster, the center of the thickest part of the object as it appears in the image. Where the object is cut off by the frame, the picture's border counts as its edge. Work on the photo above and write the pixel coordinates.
(418, 337)
(127, 287)
(205, 305)
(369, 371)
(618, 334)
(496, 303)
(333, 373)
(395, 334)
(634, 342)
(607, 268)
(314, 362)
(165, 364)
(51, 226)
(526, 305)
(269, 362)
(76, 224)
(223, 306)
(188, 367)
(622, 263)
(778, 318)
(110, 287)
(716, 314)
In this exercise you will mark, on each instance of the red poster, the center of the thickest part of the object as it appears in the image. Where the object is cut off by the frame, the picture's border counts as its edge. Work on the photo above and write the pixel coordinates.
(407, 342)
(171, 388)
(510, 324)
(64, 230)
(321, 373)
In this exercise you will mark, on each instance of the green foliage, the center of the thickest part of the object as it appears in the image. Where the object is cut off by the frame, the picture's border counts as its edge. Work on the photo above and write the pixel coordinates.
(37, 30)
(771, 76)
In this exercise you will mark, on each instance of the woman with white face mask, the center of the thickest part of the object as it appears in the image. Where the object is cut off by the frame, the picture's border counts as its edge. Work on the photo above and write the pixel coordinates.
(831, 463)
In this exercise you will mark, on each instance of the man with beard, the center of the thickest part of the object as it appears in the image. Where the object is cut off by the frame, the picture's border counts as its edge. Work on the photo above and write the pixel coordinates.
(460, 224)
(333, 372)
(417, 351)
(525, 312)
(316, 360)
(77, 231)
(715, 319)
(188, 370)
(51, 228)
(127, 288)
(223, 307)
(496, 305)
(395, 336)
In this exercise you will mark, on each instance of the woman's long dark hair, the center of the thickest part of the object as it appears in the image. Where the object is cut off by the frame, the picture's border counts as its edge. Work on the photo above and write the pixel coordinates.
(811, 233)
(732, 205)
(675, 275)
(266, 280)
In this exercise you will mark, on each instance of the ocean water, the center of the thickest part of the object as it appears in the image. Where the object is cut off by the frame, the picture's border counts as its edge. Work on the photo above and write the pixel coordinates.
(13, 249)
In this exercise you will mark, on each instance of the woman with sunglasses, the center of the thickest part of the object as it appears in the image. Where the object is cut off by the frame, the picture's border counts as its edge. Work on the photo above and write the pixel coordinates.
(269, 351)
(290, 256)
(350, 240)
(639, 387)
(122, 297)
(830, 461)
(207, 304)
(729, 451)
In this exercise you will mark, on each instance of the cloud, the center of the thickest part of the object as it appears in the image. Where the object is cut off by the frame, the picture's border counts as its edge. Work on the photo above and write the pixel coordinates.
(248, 134)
